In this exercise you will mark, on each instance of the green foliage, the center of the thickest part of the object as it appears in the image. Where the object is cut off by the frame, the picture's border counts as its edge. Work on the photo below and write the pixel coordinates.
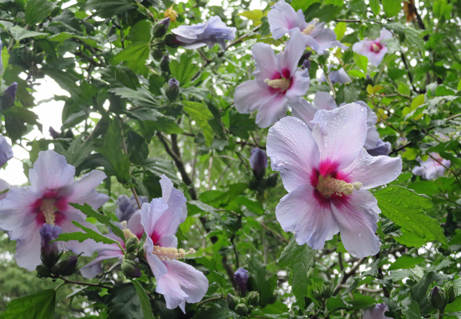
(90, 234)
(125, 302)
(144, 300)
(37, 306)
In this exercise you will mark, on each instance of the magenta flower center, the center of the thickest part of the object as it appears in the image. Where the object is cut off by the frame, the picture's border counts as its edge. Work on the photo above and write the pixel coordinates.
(170, 253)
(49, 208)
(376, 47)
(280, 82)
(329, 186)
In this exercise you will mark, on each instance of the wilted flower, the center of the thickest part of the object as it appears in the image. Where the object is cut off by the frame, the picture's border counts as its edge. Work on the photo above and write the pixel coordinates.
(431, 168)
(170, 13)
(277, 82)
(127, 206)
(339, 76)
(258, 161)
(241, 278)
(377, 312)
(327, 174)
(284, 19)
(201, 34)
(6, 151)
(25, 210)
(374, 50)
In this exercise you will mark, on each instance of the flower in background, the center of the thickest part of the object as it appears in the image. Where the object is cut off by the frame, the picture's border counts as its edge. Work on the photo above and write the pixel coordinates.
(431, 168)
(284, 19)
(374, 50)
(170, 13)
(6, 151)
(327, 174)
(377, 312)
(241, 277)
(381, 148)
(339, 76)
(278, 82)
(201, 34)
(258, 161)
(25, 210)
(127, 206)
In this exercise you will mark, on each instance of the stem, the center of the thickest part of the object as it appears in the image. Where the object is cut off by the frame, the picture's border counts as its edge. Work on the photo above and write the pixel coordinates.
(89, 284)
(440, 314)
(208, 300)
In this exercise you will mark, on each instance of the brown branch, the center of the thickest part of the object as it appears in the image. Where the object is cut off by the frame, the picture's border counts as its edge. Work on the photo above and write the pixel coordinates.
(347, 276)
(67, 281)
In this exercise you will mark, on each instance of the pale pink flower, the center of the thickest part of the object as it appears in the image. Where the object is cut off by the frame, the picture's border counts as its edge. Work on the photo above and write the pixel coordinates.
(432, 168)
(6, 151)
(24, 210)
(377, 312)
(278, 82)
(284, 19)
(374, 50)
(327, 174)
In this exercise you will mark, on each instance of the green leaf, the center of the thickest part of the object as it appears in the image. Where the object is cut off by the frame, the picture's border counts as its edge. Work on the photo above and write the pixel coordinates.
(406, 209)
(37, 306)
(258, 281)
(124, 302)
(302, 4)
(184, 69)
(253, 206)
(81, 237)
(112, 151)
(392, 7)
(406, 262)
(201, 115)
(455, 306)
(20, 33)
(38, 10)
(217, 310)
(63, 36)
(134, 56)
(140, 97)
(120, 76)
(109, 8)
(412, 311)
(103, 219)
(357, 74)
(375, 7)
(144, 299)
(23, 114)
(340, 30)
(138, 149)
(77, 152)
(361, 61)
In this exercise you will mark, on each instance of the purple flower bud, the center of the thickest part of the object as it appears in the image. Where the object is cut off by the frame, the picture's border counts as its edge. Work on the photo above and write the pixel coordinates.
(258, 162)
(377, 312)
(304, 61)
(54, 134)
(6, 152)
(50, 251)
(8, 96)
(165, 63)
(306, 65)
(67, 266)
(161, 28)
(171, 40)
(127, 206)
(241, 278)
(339, 76)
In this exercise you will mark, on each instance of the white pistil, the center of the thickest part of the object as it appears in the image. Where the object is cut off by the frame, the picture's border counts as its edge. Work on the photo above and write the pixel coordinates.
(308, 30)
(376, 48)
(329, 186)
(282, 84)
(170, 253)
(48, 211)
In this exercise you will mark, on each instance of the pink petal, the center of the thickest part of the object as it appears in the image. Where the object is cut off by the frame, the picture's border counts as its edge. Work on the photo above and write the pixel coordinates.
(326, 39)
(357, 220)
(301, 213)
(267, 66)
(156, 265)
(373, 171)
(294, 49)
(16, 210)
(293, 152)
(375, 58)
(384, 34)
(299, 86)
(174, 198)
(324, 101)
(50, 171)
(272, 111)
(84, 192)
(28, 243)
(150, 214)
(340, 133)
(182, 283)
(250, 95)
(105, 252)
(134, 224)
(282, 17)
(304, 111)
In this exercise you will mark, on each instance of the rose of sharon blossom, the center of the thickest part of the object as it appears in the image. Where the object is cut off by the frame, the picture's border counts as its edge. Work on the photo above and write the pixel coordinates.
(431, 168)
(339, 76)
(6, 152)
(327, 174)
(377, 312)
(324, 101)
(24, 210)
(127, 206)
(374, 50)
(277, 83)
(201, 34)
(284, 19)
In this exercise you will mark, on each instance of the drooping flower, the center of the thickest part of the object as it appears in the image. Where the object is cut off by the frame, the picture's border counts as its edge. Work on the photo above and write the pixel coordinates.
(374, 50)
(127, 206)
(6, 151)
(258, 161)
(284, 19)
(25, 210)
(339, 76)
(278, 82)
(201, 34)
(327, 174)
(377, 312)
(431, 168)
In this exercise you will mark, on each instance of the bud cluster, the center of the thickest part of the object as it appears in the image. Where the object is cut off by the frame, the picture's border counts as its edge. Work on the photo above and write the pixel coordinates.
(439, 297)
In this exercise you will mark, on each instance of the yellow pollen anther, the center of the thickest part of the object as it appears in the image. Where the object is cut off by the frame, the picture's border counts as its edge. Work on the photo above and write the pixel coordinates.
(171, 13)
(329, 186)
(282, 84)
(308, 30)
(48, 211)
(170, 253)
(375, 47)
(126, 231)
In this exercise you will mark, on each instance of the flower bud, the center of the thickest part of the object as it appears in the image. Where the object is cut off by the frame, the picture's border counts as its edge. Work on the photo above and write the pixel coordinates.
(161, 28)
(232, 301)
(8, 96)
(173, 89)
(451, 292)
(271, 181)
(43, 271)
(253, 298)
(172, 41)
(274, 298)
(130, 269)
(131, 244)
(304, 61)
(327, 291)
(157, 53)
(241, 278)
(165, 64)
(50, 253)
(437, 298)
(258, 162)
(67, 266)
(241, 309)
(306, 65)
(54, 134)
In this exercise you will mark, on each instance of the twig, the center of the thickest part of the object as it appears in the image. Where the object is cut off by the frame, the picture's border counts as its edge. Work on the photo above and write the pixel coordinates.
(347, 275)
(209, 299)
(89, 284)
(274, 232)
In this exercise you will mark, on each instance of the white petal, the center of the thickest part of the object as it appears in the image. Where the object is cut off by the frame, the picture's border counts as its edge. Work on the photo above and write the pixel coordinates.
(299, 86)
(304, 111)
(150, 214)
(16, 210)
(93, 268)
(357, 223)
(340, 133)
(28, 243)
(84, 192)
(174, 198)
(376, 58)
(87, 247)
(299, 212)
(134, 224)
(267, 66)
(156, 265)
(384, 34)
(327, 39)
(182, 283)
(272, 111)
(282, 17)
(50, 171)
(324, 101)
(294, 49)
(293, 152)
(250, 95)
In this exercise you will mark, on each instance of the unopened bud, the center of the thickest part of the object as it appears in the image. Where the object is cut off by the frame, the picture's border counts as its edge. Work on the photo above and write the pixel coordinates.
(8, 96)
(165, 63)
(437, 298)
(67, 266)
(43, 271)
(157, 54)
(232, 301)
(253, 298)
(241, 309)
(54, 134)
(173, 89)
(50, 253)
(172, 41)
(241, 278)
(258, 162)
(271, 181)
(161, 28)
(131, 244)
(130, 269)
(327, 291)
(451, 292)
(306, 65)
(304, 61)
